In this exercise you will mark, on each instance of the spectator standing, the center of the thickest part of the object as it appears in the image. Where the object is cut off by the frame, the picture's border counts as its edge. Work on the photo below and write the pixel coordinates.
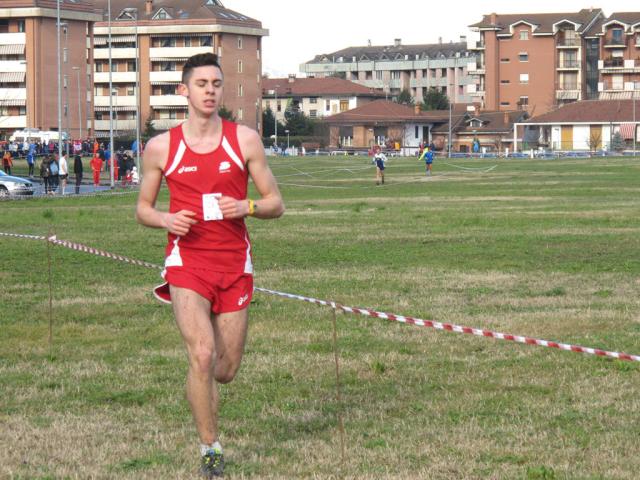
(77, 170)
(96, 168)
(45, 174)
(7, 162)
(54, 175)
(64, 173)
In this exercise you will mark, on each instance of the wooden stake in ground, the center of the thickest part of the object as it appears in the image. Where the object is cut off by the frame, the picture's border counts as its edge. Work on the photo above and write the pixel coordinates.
(49, 245)
(338, 396)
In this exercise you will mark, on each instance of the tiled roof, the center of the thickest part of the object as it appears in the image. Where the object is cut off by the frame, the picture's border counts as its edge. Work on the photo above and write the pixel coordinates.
(184, 10)
(393, 52)
(630, 18)
(309, 87)
(543, 21)
(591, 111)
(495, 121)
(384, 111)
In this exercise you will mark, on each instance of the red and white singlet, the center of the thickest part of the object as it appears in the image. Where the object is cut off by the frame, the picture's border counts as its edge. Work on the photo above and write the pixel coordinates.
(217, 245)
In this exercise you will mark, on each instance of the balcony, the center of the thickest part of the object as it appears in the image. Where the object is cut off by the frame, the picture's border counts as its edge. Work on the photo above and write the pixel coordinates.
(117, 125)
(13, 121)
(616, 62)
(116, 53)
(477, 45)
(477, 68)
(619, 65)
(168, 76)
(177, 52)
(119, 77)
(166, 123)
(571, 64)
(158, 101)
(566, 42)
(615, 43)
(568, 92)
(118, 101)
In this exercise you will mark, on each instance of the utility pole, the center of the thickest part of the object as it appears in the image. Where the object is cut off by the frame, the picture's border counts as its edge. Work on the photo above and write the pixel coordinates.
(59, 79)
(111, 149)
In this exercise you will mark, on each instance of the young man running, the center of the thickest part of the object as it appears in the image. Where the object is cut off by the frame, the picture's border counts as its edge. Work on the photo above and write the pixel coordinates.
(206, 162)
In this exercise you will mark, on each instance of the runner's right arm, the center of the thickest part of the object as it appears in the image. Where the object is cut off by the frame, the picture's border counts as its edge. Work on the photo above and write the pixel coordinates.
(154, 159)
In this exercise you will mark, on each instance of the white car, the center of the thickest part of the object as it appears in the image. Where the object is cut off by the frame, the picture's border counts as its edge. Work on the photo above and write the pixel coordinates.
(14, 186)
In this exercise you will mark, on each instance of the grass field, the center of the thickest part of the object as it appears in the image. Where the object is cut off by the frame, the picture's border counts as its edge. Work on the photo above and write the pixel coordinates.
(542, 248)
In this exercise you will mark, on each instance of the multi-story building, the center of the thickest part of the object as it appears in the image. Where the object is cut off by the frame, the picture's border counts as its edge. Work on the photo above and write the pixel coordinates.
(28, 64)
(397, 67)
(536, 62)
(619, 62)
(315, 97)
(151, 40)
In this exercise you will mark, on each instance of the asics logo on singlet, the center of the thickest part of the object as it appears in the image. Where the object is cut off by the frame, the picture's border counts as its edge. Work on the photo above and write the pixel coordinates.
(184, 169)
(224, 167)
(243, 299)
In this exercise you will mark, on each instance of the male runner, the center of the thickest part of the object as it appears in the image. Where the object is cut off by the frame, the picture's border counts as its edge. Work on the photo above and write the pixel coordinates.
(380, 160)
(427, 156)
(206, 162)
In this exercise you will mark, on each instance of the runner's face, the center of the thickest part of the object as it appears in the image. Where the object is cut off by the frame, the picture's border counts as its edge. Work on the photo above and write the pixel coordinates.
(204, 89)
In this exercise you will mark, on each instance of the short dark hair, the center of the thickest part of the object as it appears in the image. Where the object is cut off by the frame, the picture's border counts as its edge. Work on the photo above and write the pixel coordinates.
(199, 60)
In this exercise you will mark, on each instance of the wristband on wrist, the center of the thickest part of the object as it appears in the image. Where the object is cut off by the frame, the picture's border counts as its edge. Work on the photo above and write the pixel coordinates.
(252, 207)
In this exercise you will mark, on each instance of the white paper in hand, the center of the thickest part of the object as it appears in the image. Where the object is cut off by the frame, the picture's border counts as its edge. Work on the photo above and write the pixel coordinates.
(210, 208)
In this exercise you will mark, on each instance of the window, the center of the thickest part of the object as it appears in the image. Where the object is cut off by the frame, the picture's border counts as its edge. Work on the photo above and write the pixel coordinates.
(258, 54)
(21, 26)
(168, 42)
(524, 35)
(505, 82)
(239, 43)
(65, 55)
(240, 90)
(206, 41)
(524, 101)
(23, 111)
(378, 74)
(239, 66)
(504, 104)
(131, 66)
(327, 106)
(395, 75)
(524, 78)
(279, 106)
(523, 57)
(240, 114)
(313, 100)
(131, 91)
(504, 60)
(313, 113)
(616, 36)
(268, 105)
(417, 132)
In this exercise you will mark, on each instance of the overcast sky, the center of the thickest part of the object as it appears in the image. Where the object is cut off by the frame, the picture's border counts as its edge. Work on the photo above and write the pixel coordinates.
(299, 29)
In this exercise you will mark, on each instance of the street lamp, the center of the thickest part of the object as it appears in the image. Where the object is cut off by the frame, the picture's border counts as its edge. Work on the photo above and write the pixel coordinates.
(275, 114)
(77, 70)
(111, 149)
(59, 78)
(287, 132)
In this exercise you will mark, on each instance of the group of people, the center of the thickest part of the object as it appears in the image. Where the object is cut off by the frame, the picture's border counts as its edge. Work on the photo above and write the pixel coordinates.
(54, 171)
(380, 160)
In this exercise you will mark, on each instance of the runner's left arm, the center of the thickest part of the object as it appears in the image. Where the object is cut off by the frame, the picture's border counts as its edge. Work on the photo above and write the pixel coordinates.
(270, 204)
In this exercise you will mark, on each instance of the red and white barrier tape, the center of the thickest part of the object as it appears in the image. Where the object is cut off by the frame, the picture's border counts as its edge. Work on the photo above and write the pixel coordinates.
(363, 311)
(456, 328)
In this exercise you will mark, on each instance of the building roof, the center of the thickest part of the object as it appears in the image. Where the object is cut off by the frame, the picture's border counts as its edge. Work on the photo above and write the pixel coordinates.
(65, 5)
(387, 112)
(394, 52)
(316, 87)
(493, 121)
(183, 11)
(591, 111)
(543, 22)
(628, 18)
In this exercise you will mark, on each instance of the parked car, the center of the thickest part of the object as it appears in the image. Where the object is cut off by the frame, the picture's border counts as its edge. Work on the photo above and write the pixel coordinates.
(13, 186)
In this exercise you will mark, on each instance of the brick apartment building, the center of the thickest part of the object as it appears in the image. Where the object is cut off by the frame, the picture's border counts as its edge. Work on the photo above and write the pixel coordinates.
(162, 34)
(315, 97)
(396, 67)
(537, 62)
(619, 62)
(28, 64)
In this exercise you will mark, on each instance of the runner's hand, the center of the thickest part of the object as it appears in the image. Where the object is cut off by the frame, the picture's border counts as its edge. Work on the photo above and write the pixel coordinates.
(179, 223)
(232, 208)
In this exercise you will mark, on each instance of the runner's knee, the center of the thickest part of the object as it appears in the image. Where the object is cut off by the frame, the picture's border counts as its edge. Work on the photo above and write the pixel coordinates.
(226, 373)
(201, 360)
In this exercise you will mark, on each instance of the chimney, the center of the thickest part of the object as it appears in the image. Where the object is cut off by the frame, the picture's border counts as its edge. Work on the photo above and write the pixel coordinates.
(397, 42)
(292, 77)
(463, 39)
(476, 109)
(148, 7)
(506, 118)
(494, 18)
(369, 42)
(440, 40)
(416, 109)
